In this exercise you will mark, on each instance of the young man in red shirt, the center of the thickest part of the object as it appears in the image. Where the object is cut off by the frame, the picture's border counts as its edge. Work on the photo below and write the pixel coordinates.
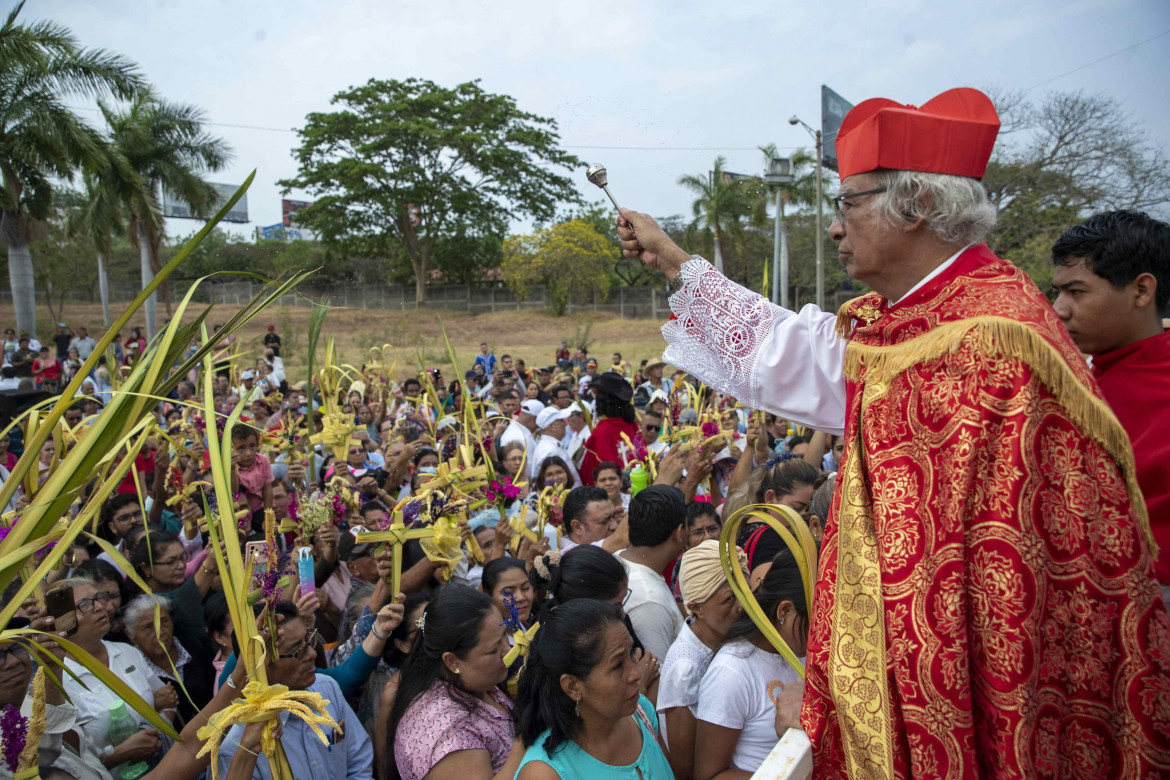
(1112, 283)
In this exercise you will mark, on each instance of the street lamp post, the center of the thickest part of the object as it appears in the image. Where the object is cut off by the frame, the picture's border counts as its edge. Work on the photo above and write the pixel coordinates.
(816, 134)
(778, 174)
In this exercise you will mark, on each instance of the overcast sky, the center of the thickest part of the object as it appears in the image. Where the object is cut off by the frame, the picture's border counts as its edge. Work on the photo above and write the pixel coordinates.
(652, 90)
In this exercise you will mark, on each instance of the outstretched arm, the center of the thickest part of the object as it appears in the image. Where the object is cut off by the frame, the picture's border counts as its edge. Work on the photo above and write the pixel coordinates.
(740, 343)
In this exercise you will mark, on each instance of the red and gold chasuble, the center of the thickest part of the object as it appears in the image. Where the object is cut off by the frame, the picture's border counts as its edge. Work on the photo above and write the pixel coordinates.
(985, 605)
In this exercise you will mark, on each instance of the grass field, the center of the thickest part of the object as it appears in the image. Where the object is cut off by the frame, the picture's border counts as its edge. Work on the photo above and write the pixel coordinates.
(523, 334)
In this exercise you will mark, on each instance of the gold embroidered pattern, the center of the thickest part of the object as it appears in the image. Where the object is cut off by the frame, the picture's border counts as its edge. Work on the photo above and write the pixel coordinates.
(857, 651)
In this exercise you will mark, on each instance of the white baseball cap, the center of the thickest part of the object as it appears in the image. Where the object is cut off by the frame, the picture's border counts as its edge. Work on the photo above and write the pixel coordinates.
(550, 414)
(247, 375)
(532, 406)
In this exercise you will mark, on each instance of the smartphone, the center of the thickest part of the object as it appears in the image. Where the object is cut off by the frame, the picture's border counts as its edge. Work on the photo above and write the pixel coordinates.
(59, 604)
(254, 552)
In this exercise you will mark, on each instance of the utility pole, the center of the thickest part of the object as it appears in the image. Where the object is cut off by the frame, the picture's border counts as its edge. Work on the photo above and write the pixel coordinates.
(820, 228)
(778, 174)
(816, 134)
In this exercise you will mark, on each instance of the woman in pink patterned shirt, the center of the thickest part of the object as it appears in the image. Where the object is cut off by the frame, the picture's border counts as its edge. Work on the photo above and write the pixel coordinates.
(450, 717)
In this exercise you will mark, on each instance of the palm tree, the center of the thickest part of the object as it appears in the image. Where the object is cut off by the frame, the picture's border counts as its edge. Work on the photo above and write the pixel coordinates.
(108, 189)
(166, 145)
(722, 204)
(41, 139)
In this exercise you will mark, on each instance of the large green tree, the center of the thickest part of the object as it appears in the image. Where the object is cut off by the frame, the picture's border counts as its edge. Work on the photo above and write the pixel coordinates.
(42, 68)
(166, 145)
(403, 165)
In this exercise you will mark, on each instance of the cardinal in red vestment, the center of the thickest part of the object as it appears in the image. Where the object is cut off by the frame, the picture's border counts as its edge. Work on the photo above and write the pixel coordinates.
(985, 603)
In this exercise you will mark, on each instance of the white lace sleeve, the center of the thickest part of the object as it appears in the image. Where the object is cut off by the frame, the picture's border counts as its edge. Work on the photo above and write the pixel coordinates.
(739, 343)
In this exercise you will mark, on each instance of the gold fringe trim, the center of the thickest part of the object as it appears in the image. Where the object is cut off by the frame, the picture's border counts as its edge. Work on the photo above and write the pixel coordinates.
(845, 317)
(1002, 336)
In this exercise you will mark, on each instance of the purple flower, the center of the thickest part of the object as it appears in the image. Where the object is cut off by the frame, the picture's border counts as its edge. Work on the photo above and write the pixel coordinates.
(438, 504)
(512, 622)
(710, 429)
(339, 507)
(13, 731)
(410, 513)
(4, 531)
(502, 491)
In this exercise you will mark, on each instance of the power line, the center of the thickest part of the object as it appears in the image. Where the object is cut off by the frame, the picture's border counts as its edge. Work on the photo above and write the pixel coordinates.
(567, 146)
(678, 148)
(1094, 62)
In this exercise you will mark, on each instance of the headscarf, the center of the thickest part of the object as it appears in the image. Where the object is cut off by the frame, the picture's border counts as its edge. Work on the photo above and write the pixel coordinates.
(700, 573)
(485, 518)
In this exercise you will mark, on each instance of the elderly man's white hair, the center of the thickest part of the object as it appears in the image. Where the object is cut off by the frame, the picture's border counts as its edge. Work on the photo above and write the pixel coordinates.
(955, 207)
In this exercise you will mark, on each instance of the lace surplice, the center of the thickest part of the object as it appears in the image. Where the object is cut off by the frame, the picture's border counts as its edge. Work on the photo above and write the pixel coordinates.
(738, 342)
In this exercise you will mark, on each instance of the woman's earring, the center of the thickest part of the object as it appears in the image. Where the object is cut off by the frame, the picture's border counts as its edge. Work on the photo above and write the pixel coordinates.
(577, 709)
(781, 621)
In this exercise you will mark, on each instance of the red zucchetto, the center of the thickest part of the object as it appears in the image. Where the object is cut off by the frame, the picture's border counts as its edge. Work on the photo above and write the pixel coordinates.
(952, 133)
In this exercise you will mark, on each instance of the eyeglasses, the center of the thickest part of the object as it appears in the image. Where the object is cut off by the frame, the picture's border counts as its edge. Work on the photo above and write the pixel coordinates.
(626, 598)
(16, 650)
(837, 201)
(300, 647)
(649, 427)
(87, 605)
(183, 560)
(135, 515)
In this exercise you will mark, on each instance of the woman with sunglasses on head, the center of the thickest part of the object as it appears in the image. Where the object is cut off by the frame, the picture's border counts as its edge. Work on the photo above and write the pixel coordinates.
(92, 698)
(580, 712)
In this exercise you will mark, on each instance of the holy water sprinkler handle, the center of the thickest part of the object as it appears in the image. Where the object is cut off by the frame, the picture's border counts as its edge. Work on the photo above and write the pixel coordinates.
(596, 174)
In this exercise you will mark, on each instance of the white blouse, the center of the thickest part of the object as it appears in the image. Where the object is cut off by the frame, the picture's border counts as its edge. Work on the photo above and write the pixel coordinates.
(682, 671)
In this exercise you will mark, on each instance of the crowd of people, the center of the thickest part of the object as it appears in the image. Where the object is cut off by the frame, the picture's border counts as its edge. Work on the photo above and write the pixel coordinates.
(419, 679)
(608, 642)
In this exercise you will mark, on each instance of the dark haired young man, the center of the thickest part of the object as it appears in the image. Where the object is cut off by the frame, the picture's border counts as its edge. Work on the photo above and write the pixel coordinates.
(1112, 283)
(658, 534)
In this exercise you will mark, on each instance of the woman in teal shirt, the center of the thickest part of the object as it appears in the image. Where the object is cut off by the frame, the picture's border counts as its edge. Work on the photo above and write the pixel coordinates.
(579, 710)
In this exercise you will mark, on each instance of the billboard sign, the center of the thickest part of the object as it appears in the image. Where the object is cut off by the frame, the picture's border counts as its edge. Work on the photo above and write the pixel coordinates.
(289, 209)
(282, 233)
(833, 111)
(176, 208)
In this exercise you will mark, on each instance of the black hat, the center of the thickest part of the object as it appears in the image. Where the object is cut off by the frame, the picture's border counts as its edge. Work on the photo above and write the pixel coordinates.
(348, 549)
(612, 384)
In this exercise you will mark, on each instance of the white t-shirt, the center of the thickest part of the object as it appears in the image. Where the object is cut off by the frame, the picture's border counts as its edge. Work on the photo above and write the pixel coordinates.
(682, 672)
(517, 432)
(547, 446)
(734, 694)
(652, 609)
(93, 706)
